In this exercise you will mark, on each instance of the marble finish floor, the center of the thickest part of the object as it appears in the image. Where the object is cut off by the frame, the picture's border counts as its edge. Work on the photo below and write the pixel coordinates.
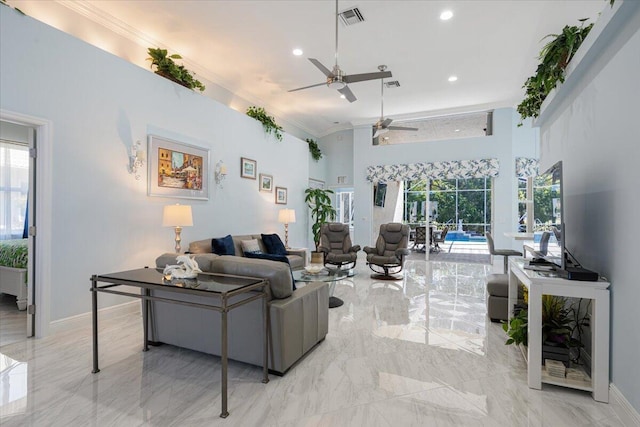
(417, 352)
(13, 322)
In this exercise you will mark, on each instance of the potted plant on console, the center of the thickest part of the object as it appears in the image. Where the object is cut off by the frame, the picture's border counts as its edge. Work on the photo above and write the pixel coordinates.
(319, 202)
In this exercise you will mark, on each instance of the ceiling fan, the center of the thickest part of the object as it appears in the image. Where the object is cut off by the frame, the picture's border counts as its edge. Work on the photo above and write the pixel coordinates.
(337, 79)
(382, 125)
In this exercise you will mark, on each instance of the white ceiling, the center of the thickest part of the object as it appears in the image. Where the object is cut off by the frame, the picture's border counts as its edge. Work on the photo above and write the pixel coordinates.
(245, 47)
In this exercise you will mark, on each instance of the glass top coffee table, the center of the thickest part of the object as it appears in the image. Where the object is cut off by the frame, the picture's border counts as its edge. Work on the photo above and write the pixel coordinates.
(331, 276)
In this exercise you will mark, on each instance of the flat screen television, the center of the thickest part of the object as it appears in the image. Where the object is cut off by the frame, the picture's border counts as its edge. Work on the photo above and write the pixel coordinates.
(548, 210)
(379, 194)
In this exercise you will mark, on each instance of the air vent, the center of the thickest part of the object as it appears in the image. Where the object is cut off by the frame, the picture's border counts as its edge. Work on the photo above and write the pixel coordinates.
(391, 84)
(351, 16)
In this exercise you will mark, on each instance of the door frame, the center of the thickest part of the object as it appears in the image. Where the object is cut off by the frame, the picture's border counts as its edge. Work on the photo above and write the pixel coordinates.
(40, 212)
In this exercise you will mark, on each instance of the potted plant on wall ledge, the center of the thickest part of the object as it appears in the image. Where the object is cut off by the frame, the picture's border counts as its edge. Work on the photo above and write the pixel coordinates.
(319, 202)
(554, 58)
(314, 149)
(268, 122)
(167, 68)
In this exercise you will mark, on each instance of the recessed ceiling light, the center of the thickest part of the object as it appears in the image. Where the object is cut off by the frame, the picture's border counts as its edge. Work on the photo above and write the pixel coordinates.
(446, 15)
(452, 78)
(297, 52)
(457, 130)
(342, 96)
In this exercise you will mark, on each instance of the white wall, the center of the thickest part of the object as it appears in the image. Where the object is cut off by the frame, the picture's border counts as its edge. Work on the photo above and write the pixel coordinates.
(98, 104)
(595, 133)
(338, 148)
(507, 141)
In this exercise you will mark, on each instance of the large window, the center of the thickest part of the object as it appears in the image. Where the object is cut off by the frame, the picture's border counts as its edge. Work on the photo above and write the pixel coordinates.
(14, 184)
(415, 202)
(544, 199)
(463, 203)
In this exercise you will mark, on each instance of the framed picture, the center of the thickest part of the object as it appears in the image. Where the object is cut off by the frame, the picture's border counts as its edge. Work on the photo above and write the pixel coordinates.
(281, 196)
(315, 183)
(248, 168)
(177, 169)
(266, 182)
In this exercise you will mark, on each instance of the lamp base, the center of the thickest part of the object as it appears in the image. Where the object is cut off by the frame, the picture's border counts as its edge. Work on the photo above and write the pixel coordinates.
(178, 239)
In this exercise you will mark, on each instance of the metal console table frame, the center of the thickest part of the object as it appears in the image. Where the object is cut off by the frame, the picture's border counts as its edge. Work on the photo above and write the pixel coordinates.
(149, 279)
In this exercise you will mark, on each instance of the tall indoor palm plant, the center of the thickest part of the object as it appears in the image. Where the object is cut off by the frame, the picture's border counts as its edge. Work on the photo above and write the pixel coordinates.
(319, 201)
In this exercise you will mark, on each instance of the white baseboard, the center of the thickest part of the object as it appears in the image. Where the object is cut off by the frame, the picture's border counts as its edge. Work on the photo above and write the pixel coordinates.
(629, 410)
(80, 320)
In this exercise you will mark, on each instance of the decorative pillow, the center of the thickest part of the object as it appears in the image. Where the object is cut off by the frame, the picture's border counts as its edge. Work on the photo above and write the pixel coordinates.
(272, 257)
(273, 244)
(250, 246)
(223, 245)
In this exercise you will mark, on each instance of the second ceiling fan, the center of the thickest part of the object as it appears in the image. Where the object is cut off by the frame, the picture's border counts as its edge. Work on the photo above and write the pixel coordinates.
(337, 79)
(382, 125)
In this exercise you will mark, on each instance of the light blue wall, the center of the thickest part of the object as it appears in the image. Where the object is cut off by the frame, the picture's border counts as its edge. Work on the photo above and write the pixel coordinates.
(99, 105)
(595, 133)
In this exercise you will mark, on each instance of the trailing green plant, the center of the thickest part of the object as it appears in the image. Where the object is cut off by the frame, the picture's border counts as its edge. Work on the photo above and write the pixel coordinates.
(554, 57)
(4, 2)
(268, 122)
(516, 328)
(314, 149)
(322, 211)
(167, 68)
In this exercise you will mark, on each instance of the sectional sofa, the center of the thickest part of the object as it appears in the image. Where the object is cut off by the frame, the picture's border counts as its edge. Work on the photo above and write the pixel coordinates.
(299, 318)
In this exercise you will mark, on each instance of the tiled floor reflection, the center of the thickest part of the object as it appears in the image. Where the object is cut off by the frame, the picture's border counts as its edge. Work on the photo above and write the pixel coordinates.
(415, 352)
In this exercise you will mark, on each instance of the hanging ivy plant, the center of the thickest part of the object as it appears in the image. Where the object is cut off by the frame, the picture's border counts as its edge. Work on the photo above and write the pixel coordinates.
(268, 122)
(314, 149)
(167, 68)
(554, 57)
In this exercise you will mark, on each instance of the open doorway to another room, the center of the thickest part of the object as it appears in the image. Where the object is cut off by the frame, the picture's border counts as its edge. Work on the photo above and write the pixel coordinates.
(16, 202)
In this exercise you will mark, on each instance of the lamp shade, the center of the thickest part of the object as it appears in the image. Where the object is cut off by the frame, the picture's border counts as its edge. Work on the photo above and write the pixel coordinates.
(177, 216)
(287, 216)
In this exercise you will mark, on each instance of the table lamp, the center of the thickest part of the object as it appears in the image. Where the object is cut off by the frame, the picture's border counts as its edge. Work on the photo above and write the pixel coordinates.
(177, 216)
(286, 217)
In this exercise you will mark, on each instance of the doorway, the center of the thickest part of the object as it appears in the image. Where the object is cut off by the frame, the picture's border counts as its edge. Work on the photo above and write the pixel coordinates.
(17, 186)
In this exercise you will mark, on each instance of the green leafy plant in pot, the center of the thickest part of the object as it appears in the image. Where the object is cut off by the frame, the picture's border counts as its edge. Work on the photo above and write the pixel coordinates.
(319, 202)
(167, 68)
(268, 122)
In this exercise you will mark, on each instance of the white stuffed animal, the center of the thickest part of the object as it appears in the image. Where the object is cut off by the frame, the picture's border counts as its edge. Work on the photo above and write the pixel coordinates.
(188, 270)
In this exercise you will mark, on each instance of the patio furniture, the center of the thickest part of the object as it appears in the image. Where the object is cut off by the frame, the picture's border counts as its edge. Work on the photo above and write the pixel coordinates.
(438, 237)
(506, 253)
(387, 257)
(420, 242)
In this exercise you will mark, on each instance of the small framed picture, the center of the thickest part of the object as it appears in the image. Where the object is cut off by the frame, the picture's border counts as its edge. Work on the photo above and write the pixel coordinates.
(248, 168)
(266, 183)
(281, 196)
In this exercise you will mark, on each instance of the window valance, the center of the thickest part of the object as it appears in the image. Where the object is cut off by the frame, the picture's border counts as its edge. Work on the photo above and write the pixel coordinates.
(461, 169)
(526, 167)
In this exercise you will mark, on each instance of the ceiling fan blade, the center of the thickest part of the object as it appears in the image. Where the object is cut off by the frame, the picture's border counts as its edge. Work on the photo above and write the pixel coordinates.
(307, 87)
(400, 128)
(380, 131)
(321, 67)
(386, 123)
(353, 78)
(348, 94)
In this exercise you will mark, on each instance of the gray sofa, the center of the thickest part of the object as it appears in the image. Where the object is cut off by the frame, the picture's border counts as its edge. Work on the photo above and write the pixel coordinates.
(299, 319)
(297, 258)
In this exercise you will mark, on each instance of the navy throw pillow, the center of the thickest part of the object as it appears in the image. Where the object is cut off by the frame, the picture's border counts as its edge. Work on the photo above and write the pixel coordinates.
(272, 257)
(273, 244)
(223, 245)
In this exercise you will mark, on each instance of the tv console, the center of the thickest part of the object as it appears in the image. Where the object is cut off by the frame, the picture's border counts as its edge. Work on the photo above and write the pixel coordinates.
(550, 283)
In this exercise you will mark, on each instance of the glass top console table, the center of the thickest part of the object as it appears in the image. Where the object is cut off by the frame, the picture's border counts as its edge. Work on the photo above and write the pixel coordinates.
(216, 291)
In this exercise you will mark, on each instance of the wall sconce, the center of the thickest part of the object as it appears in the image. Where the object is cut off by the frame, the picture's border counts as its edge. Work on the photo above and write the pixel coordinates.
(177, 216)
(286, 217)
(220, 172)
(136, 159)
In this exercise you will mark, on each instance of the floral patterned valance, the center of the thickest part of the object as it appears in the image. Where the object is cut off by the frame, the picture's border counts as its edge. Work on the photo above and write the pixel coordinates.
(526, 167)
(461, 169)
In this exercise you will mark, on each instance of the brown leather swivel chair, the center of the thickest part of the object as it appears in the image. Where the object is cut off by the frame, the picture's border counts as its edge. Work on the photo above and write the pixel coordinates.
(335, 243)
